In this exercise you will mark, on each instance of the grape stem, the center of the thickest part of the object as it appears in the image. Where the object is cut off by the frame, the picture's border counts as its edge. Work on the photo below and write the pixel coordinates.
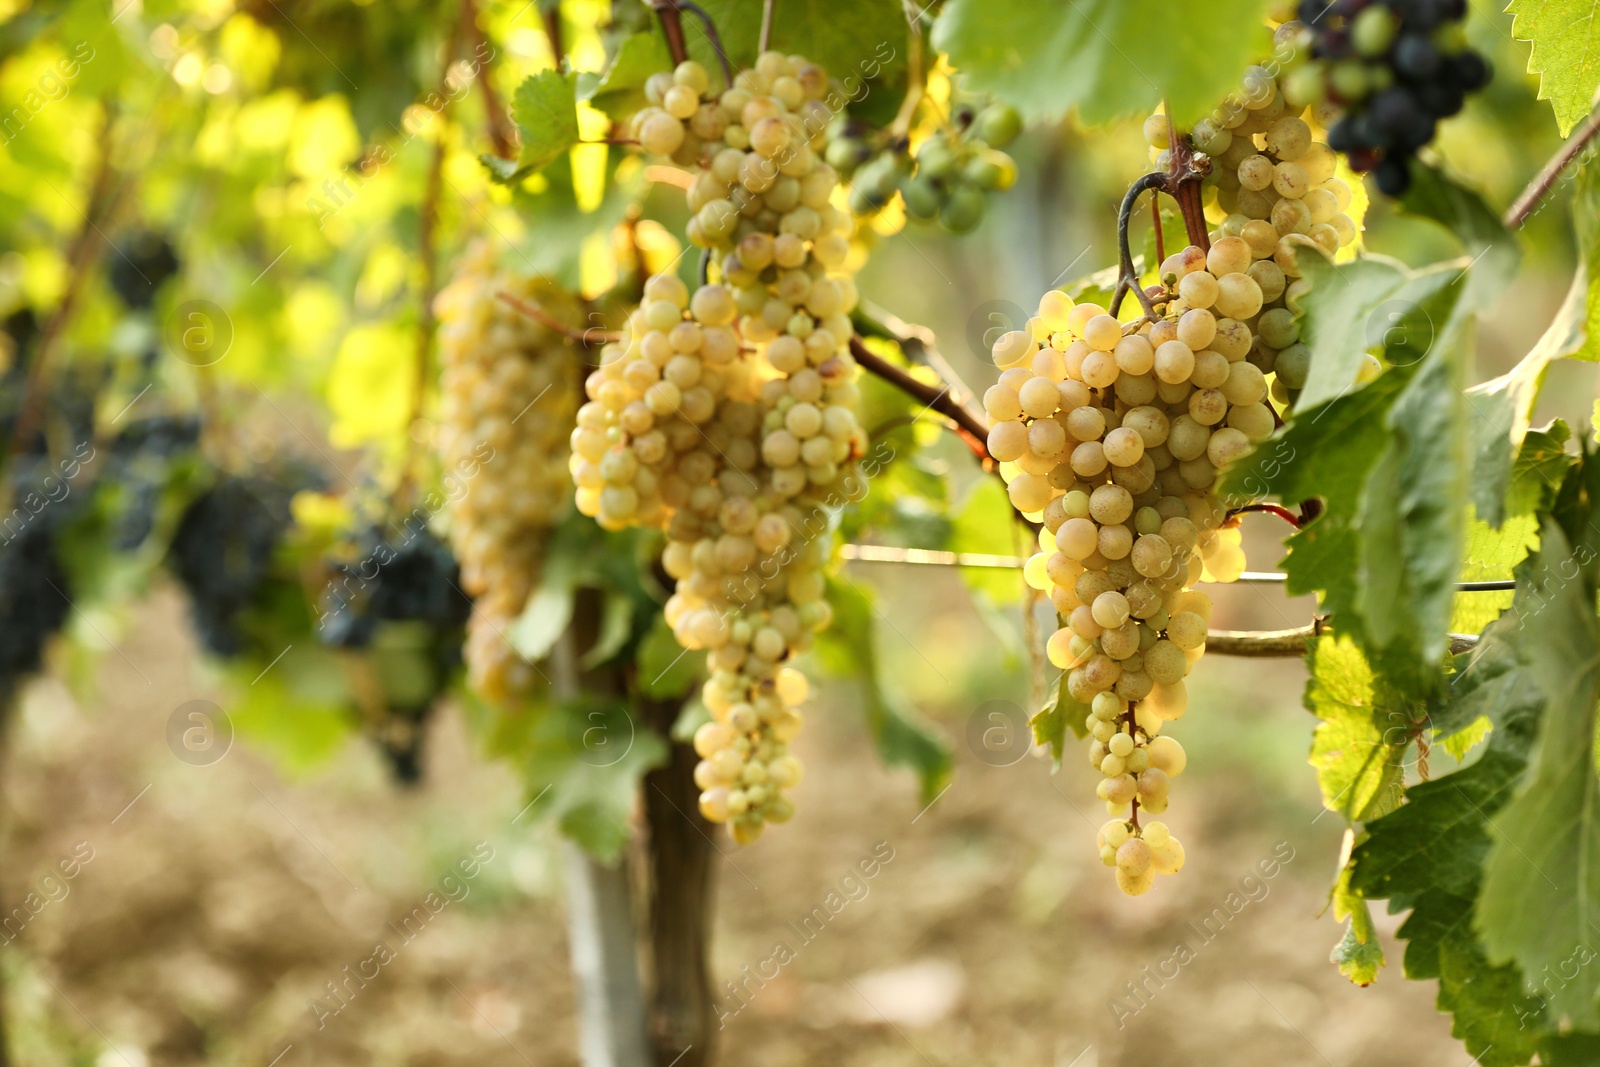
(901, 126)
(589, 336)
(1524, 206)
(1271, 509)
(501, 131)
(1181, 181)
(672, 27)
(711, 35)
(1129, 278)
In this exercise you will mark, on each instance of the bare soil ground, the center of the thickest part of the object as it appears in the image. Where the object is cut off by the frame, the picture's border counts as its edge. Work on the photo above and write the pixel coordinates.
(220, 901)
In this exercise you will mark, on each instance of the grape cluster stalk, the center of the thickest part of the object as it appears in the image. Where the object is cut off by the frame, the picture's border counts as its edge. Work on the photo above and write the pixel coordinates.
(727, 416)
(1115, 436)
(511, 387)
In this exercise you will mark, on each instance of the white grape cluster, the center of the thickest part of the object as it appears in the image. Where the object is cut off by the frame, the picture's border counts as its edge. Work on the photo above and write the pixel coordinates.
(510, 388)
(1114, 437)
(1275, 188)
(727, 417)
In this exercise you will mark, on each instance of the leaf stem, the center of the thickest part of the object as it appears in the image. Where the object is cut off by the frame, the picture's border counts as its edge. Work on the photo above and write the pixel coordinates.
(1270, 509)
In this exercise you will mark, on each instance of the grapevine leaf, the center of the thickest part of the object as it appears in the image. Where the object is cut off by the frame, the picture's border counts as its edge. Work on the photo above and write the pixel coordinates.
(861, 44)
(1099, 56)
(1428, 505)
(1491, 555)
(619, 92)
(1359, 954)
(665, 668)
(984, 526)
(1062, 712)
(1428, 854)
(1504, 404)
(1564, 53)
(1358, 306)
(546, 111)
(591, 756)
(849, 649)
(1493, 250)
(543, 620)
(1542, 879)
(1360, 744)
(1489, 1007)
(616, 626)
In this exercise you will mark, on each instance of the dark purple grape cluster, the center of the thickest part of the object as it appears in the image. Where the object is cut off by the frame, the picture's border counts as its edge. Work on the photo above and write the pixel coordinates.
(414, 578)
(143, 262)
(1390, 70)
(34, 598)
(222, 553)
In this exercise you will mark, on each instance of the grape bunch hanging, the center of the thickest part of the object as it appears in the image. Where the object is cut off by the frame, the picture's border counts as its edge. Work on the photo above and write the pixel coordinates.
(510, 390)
(1115, 435)
(727, 416)
(1387, 71)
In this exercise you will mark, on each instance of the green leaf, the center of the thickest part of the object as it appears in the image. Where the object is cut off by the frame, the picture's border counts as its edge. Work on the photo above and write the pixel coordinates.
(665, 668)
(1359, 955)
(1428, 856)
(546, 111)
(619, 92)
(616, 626)
(860, 43)
(590, 755)
(1563, 55)
(985, 526)
(1357, 306)
(1062, 712)
(1101, 56)
(1493, 251)
(542, 622)
(1541, 886)
(849, 649)
(1360, 744)
(1389, 460)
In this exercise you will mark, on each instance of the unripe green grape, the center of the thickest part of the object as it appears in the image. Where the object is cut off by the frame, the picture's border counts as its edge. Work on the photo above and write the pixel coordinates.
(963, 208)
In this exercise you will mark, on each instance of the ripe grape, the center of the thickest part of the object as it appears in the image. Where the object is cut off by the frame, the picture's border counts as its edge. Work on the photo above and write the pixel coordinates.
(510, 390)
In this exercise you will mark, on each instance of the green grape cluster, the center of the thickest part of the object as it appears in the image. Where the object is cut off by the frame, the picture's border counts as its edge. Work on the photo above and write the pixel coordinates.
(1274, 182)
(510, 391)
(1115, 436)
(948, 178)
(726, 416)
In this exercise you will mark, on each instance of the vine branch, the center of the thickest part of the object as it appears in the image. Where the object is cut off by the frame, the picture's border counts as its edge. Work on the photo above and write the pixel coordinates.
(934, 397)
(501, 130)
(1523, 207)
(82, 253)
(589, 336)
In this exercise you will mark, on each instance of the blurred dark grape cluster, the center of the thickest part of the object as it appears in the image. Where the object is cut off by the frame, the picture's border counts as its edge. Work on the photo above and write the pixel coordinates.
(1386, 72)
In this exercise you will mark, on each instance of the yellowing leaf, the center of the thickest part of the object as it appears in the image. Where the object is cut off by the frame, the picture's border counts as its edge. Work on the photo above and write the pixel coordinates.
(370, 386)
(324, 138)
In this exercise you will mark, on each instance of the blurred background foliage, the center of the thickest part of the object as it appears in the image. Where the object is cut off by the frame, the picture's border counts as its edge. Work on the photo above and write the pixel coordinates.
(285, 149)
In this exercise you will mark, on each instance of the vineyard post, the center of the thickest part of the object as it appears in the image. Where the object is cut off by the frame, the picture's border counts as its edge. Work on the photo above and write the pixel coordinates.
(600, 918)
